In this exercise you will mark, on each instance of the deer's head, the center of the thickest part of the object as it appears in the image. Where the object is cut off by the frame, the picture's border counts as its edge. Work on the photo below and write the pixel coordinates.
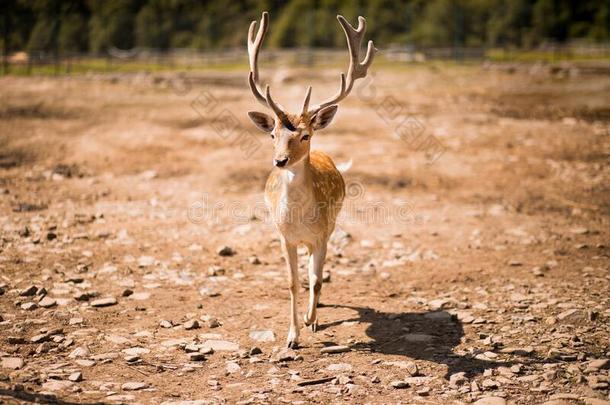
(291, 133)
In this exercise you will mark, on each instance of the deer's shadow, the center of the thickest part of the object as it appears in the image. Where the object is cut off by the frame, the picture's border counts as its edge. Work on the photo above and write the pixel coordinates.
(430, 336)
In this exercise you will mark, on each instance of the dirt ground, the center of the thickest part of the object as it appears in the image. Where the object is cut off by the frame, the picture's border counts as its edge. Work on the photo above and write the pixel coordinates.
(470, 261)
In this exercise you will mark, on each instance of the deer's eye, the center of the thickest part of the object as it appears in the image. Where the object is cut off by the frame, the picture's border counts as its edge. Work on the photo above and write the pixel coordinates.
(305, 137)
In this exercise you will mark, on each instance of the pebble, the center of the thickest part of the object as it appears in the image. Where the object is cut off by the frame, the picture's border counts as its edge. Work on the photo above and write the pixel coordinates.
(225, 251)
(220, 345)
(28, 292)
(29, 306)
(262, 336)
(192, 324)
(458, 379)
(76, 376)
(490, 401)
(13, 363)
(165, 324)
(47, 302)
(196, 356)
(399, 384)
(335, 349)
(104, 302)
(134, 386)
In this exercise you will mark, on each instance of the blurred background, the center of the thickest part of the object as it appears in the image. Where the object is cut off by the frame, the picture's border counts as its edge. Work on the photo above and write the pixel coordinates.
(70, 34)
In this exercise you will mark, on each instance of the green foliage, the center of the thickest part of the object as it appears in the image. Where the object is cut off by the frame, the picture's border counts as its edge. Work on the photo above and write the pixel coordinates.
(100, 25)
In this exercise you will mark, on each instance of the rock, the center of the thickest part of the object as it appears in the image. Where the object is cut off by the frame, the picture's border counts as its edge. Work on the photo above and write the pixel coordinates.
(316, 381)
(42, 337)
(214, 271)
(76, 321)
(82, 296)
(56, 385)
(489, 384)
(262, 336)
(29, 306)
(136, 351)
(600, 364)
(410, 366)
(76, 376)
(520, 351)
(146, 261)
(127, 292)
(15, 340)
(192, 324)
(79, 352)
(213, 323)
(335, 349)
(285, 354)
(104, 302)
(196, 356)
(254, 260)
(28, 292)
(12, 363)
(255, 350)
(220, 345)
(339, 367)
(165, 324)
(458, 379)
(491, 401)
(85, 362)
(233, 367)
(514, 263)
(570, 313)
(134, 386)
(47, 302)
(423, 392)
(399, 384)
(225, 251)
(418, 338)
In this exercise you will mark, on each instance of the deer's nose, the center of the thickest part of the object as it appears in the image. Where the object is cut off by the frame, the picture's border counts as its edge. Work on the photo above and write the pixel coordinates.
(281, 162)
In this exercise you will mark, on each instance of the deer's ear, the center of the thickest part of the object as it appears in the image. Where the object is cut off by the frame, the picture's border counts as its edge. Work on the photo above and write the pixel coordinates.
(324, 117)
(263, 121)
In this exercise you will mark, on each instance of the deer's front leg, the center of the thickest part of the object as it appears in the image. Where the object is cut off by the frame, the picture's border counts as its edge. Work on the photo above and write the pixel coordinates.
(290, 253)
(316, 265)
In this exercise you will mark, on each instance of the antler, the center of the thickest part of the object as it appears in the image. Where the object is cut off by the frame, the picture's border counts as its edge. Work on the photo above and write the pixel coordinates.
(356, 70)
(254, 46)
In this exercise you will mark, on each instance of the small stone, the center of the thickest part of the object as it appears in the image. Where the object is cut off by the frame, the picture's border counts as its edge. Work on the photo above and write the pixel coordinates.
(165, 324)
(76, 376)
(285, 354)
(335, 349)
(254, 260)
(28, 292)
(104, 302)
(339, 367)
(76, 321)
(458, 379)
(196, 356)
(214, 271)
(192, 324)
(13, 363)
(29, 306)
(79, 352)
(423, 392)
(489, 384)
(132, 358)
(220, 345)
(225, 251)
(214, 323)
(42, 337)
(127, 292)
(514, 263)
(233, 367)
(262, 336)
(47, 302)
(600, 364)
(134, 386)
(255, 350)
(15, 340)
(491, 401)
(399, 384)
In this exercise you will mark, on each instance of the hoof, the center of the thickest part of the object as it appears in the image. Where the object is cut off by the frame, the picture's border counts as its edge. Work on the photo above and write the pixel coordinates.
(293, 345)
(313, 326)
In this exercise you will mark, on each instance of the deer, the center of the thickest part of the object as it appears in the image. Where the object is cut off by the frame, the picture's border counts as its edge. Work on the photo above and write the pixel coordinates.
(304, 192)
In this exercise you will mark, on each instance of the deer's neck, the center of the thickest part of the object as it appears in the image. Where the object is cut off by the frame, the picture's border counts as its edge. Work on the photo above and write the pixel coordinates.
(296, 179)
